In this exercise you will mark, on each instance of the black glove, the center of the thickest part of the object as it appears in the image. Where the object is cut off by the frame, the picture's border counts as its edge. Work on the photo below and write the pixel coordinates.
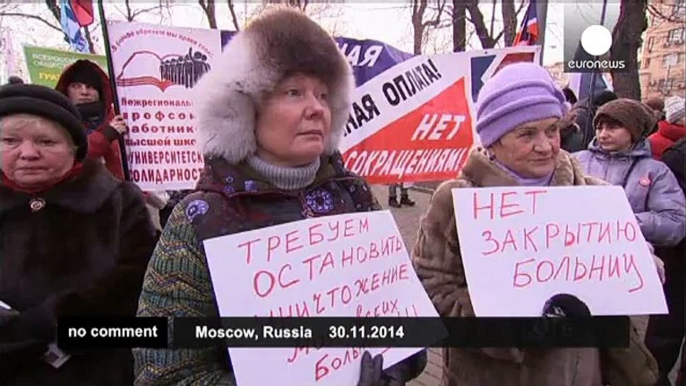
(7, 315)
(15, 351)
(405, 370)
(566, 306)
(370, 373)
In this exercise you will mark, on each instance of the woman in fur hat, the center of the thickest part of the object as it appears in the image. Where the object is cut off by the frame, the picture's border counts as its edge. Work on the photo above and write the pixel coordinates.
(270, 115)
(74, 241)
(518, 117)
(620, 154)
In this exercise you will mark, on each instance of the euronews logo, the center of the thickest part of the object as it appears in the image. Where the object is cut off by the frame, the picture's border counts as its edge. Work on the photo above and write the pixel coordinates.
(588, 38)
(596, 40)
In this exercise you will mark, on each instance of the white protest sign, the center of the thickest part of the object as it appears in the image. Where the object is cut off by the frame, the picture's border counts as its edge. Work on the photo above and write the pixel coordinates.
(335, 266)
(522, 245)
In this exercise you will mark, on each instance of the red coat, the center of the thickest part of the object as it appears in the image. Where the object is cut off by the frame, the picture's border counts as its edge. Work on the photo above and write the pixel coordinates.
(99, 145)
(667, 133)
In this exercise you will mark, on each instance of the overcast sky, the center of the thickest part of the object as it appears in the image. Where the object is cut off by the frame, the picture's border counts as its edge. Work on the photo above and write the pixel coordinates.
(386, 22)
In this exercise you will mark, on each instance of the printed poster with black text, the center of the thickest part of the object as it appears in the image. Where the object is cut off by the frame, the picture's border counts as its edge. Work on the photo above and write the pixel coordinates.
(350, 265)
(155, 69)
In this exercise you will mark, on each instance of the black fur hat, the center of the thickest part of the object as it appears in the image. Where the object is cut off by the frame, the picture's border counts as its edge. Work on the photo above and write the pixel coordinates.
(48, 103)
(280, 42)
(82, 71)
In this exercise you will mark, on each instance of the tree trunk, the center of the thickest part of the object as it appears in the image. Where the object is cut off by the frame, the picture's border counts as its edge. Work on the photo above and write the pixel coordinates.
(232, 11)
(459, 26)
(418, 9)
(626, 40)
(477, 19)
(208, 7)
(509, 21)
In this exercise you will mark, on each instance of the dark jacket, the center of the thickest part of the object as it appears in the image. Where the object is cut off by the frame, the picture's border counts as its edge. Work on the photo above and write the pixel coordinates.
(103, 140)
(229, 200)
(84, 253)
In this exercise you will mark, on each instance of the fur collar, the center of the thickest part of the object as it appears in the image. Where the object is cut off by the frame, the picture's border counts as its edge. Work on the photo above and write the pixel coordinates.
(84, 194)
(482, 172)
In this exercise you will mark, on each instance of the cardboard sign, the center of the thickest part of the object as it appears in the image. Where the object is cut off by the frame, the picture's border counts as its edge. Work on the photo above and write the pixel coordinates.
(522, 245)
(344, 265)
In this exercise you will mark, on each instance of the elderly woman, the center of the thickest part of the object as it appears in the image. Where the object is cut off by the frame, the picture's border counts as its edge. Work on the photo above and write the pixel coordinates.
(271, 114)
(620, 154)
(518, 118)
(74, 241)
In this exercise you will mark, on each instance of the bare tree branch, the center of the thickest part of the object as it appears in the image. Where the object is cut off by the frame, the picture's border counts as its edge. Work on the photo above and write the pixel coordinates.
(492, 18)
(477, 19)
(459, 26)
(129, 13)
(627, 39)
(510, 20)
(208, 7)
(142, 11)
(232, 11)
(54, 7)
(34, 17)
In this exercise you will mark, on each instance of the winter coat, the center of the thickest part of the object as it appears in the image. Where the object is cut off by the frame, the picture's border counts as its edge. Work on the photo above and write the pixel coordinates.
(667, 133)
(438, 262)
(103, 141)
(651, 188)
(84, 253)
(229, 200)
(580, 138)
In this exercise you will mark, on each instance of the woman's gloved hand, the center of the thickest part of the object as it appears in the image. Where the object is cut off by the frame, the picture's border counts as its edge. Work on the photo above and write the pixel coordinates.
(371, 370)
(7, 315)
(565, 306)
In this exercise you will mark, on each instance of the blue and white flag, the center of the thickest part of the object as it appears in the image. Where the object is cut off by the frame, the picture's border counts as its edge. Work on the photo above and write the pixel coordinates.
(72, 28)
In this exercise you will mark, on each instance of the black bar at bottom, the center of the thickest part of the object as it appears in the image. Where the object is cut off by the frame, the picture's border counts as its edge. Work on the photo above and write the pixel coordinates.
(600, 332)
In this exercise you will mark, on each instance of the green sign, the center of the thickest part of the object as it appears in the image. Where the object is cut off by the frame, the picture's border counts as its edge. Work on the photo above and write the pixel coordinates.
(45, 65)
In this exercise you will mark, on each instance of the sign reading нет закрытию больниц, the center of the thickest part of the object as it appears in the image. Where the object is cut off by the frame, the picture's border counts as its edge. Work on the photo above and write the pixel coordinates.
(350, 265)
(521, 246)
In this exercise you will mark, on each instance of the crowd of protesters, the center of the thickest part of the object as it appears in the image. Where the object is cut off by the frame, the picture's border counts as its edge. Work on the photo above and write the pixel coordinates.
(78, 239)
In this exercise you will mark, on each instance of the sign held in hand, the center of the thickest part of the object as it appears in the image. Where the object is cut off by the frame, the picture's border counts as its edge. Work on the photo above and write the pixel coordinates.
(521, 246)
(351, 265)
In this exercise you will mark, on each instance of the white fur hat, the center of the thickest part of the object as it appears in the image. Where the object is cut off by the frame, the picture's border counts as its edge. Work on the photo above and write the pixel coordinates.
(280, 42)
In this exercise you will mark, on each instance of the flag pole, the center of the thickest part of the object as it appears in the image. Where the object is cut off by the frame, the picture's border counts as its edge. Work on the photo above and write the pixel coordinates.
(113, 85)
(594, 75)
(541, 16)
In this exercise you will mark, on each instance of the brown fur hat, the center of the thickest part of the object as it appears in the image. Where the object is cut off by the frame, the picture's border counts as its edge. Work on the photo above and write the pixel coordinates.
(656, 104)
(280, 42)
(634, 116)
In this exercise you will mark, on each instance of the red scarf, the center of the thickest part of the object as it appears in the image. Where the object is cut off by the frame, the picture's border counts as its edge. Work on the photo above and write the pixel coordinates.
(73, 172)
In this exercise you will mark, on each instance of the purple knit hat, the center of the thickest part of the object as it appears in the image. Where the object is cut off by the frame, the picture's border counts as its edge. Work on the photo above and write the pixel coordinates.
(517, 94)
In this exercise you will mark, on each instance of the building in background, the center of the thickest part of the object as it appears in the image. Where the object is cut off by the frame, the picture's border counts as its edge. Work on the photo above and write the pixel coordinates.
(662, 65)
